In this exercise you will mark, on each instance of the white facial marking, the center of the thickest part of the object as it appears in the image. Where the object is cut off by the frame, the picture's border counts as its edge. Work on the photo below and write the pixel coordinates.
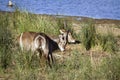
(61, 48)
(62, 42)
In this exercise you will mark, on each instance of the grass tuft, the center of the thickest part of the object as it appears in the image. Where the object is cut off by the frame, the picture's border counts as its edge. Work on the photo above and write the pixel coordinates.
(88, 35)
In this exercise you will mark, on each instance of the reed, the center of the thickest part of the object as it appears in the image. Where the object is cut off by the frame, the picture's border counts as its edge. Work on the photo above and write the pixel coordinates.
(88, 35)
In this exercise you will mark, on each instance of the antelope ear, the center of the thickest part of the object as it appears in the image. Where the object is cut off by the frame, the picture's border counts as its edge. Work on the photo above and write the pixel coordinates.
(62, 31)
(68, 31)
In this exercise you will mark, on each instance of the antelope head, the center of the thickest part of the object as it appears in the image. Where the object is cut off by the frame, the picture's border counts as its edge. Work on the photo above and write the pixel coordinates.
(70, 39)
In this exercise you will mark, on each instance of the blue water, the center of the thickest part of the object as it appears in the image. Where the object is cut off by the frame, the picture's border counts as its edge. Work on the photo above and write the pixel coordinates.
(109, 9)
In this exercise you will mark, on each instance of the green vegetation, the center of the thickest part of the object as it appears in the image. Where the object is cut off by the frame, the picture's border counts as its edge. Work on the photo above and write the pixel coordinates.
(108, 43)
(90, 38)
(18, 65)
(5, 42)
(88, 34)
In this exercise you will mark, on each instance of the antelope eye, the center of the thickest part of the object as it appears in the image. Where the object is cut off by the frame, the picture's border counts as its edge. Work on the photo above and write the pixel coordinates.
(63, 38)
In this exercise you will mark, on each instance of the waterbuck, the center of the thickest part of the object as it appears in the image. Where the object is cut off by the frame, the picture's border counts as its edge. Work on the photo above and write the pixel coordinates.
(70, 39)
(42, 43)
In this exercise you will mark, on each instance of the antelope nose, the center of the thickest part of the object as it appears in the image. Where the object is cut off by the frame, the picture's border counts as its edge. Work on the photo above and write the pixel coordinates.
(62, 49)
(73, 41)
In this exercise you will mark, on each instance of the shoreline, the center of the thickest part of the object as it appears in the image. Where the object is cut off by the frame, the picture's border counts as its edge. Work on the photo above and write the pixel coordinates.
(76, 18)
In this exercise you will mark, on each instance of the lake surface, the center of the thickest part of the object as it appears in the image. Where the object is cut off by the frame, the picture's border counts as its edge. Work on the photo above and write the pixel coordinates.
(108, 9)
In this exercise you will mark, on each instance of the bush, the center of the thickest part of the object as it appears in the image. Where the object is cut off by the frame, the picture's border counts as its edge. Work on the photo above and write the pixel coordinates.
(88, 35)
(108, 42)
(90, 38)
(5, 42)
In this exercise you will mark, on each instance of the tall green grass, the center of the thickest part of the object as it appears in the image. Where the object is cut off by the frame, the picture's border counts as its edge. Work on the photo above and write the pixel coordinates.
(82, 67)
(18, 65)
(108, 42)
(88, 35)
(24, 21)
(111, 67)
(5, 42)
(90, 38)
(63, 23)
(29, 22)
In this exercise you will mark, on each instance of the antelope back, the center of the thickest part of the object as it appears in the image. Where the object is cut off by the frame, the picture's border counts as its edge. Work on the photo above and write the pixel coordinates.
(70, 39)
(26, 40)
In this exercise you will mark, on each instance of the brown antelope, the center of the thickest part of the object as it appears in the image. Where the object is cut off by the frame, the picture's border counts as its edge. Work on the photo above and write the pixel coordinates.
(41, 42)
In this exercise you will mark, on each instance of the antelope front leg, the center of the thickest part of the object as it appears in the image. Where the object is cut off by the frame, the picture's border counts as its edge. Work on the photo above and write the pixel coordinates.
(48, 57)
(51, 56)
